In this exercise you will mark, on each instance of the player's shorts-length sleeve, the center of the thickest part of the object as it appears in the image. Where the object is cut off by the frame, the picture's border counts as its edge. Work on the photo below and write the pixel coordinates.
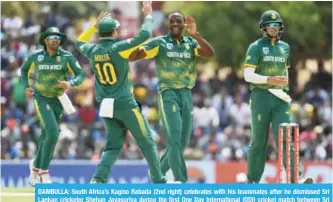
(82, 42)
(26, 70)
(126, 47)
(152, 47)
(74, 67)
(84, 48)
(252, 56)
(288, 58)
(195, 46)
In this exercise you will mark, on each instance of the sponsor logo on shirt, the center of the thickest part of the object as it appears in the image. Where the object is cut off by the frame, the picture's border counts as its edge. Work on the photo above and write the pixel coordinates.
(265, 50)
(169, 46)
(282, 50)
(40, 58)
(58, 58)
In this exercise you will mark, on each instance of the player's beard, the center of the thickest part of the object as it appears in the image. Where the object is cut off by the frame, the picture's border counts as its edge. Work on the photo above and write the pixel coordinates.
(53, 45)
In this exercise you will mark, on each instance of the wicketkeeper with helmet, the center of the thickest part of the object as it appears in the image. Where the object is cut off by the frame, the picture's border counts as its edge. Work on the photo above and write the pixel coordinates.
(266, 67)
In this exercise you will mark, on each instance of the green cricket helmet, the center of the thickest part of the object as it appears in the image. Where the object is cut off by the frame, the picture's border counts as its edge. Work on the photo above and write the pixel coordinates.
(107, 25)
(268, 17)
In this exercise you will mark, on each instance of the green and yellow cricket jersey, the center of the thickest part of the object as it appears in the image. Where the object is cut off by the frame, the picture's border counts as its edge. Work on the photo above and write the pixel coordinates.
(268, 59)
(175, 61)
(109, 61)
(48, 70)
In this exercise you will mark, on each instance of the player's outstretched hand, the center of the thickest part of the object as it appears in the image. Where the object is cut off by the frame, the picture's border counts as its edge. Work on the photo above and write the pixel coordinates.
(102, 15)
(64, 84)
(29, 92)
(191, 25)
(146, 8)
(277, 80)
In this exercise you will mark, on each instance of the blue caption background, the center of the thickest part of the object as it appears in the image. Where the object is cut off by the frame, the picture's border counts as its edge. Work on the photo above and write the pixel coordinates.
(183, 192)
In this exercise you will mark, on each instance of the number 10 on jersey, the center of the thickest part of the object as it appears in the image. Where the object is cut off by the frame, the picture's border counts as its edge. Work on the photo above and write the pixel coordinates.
(106, 73)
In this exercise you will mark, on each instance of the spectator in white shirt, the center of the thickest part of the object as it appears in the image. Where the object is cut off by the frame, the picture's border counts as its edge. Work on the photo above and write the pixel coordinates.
(240, 112)
(12, 25)
(205, 115)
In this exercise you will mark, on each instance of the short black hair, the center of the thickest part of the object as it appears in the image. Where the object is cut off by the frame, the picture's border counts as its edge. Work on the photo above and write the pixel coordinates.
(107, 34)
(176, 12)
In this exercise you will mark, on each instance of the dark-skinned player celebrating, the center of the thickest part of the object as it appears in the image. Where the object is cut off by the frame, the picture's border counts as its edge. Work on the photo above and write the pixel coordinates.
(175, 58)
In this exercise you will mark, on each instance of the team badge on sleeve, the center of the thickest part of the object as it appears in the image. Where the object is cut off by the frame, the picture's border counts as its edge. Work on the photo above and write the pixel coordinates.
(265, 50)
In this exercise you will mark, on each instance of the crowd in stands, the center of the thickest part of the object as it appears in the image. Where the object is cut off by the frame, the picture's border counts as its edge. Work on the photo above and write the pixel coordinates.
(221, 115)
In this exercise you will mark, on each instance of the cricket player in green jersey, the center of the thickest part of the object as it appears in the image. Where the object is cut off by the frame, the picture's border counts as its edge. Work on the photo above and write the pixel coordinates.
(175, 58)
(119, 110)
(51, 67)
(266, 68)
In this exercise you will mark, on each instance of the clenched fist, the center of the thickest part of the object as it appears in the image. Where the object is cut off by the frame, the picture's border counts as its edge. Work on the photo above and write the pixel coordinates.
(64, 84)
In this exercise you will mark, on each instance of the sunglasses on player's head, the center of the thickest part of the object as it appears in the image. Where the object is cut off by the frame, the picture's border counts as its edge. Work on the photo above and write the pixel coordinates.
(54, 37)
(273, 24)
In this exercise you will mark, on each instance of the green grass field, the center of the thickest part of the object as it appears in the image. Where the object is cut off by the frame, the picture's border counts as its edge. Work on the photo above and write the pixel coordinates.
(17, 195)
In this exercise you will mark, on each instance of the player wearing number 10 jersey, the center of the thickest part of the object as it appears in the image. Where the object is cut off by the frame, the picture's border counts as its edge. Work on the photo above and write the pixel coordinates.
(119, 110)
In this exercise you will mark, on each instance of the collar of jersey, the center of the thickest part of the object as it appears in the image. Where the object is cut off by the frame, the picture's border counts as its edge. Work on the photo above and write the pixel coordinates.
(172, 39)
(268, 40)
(45, 52)
(106, 38)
